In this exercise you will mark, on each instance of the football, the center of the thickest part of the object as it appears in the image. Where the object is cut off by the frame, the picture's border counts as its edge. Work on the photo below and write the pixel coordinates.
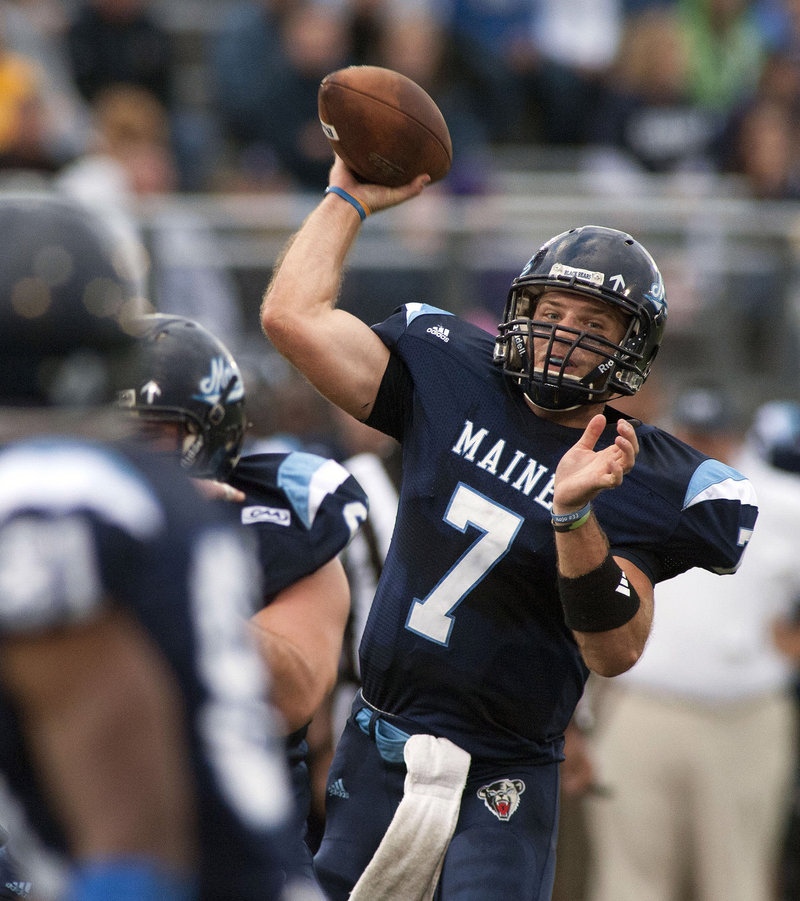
(384, 125)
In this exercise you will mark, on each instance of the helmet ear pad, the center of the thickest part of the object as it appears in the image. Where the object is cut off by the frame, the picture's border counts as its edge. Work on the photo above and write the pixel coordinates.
(519, 346)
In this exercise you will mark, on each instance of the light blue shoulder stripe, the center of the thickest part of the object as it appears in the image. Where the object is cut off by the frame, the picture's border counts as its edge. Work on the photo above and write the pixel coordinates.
(713, 480)
(421, 309)
(307, 480)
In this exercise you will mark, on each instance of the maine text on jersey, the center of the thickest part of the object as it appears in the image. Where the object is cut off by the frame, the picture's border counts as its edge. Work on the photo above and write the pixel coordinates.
(492, 457)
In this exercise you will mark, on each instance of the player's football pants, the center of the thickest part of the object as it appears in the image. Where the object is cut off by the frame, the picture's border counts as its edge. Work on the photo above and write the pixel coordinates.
(503, 847)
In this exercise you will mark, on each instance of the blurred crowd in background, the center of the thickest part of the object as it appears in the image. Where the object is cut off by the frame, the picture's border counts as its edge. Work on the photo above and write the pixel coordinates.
(118, 101)
(114, 100)
(198, 96)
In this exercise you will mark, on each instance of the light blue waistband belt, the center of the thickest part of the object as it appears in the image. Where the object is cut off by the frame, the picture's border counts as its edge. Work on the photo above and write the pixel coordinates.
(389, 739)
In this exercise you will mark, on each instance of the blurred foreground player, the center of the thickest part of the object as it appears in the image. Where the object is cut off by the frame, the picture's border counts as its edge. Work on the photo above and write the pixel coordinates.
(301, 509)
(137, 753)
(533, 522)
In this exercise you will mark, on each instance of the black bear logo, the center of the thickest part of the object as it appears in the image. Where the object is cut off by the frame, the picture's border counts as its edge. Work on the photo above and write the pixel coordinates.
(502, 797)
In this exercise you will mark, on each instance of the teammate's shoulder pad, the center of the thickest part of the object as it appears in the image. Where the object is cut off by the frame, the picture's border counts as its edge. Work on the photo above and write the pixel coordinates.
(307, 479)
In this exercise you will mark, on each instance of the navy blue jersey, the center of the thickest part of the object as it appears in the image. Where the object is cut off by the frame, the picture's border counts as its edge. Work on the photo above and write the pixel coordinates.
(83, 525)
(303, 510)
(466, 638)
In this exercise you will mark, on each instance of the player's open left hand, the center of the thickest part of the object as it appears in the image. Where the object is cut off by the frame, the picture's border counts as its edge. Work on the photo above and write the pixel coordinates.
(584, 472)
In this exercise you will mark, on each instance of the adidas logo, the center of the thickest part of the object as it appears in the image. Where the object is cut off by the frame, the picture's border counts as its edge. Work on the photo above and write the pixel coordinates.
(338, 790)
(623, 587)
(23, 889)
(439, 331)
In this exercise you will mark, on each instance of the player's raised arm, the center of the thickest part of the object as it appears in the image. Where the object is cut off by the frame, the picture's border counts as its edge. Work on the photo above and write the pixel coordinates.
(336, 351)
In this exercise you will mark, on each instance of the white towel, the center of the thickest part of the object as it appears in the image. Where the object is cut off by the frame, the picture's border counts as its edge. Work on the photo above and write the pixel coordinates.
(407, 864)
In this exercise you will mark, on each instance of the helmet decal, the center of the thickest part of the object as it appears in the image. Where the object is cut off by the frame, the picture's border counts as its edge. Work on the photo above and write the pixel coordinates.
(217, 381)
(657, 294)
(150, 391)
(559, 270)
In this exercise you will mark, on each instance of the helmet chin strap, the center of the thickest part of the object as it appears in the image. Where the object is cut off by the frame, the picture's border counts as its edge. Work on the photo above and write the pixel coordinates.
(192, 448)
(533, 403)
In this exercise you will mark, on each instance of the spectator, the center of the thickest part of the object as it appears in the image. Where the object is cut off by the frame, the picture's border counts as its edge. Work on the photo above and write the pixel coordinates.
(726, 50)
(132, 157)
(696, 743)
(416, 44)
(577, 41)
(268, 62)
(123, 42)
(114, 42)
(36, 32)
(761, 132)
(647, 119)
(537, 67)
(776, 437)
(27, 141)
(492, 42)
(764, 150)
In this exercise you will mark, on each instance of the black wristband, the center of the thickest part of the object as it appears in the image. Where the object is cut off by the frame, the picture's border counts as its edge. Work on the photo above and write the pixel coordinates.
(600, 600)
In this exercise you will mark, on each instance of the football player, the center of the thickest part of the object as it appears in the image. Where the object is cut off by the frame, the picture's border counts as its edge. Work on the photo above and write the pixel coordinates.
(302, 510)
(533, 523)
(138, 755)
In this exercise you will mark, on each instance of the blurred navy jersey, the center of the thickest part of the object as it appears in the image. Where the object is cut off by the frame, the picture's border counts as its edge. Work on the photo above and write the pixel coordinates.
(466, 637)
(83, 525)
(303, 509)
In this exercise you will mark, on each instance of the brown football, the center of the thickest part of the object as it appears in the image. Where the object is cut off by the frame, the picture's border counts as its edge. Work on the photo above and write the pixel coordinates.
(384, 125)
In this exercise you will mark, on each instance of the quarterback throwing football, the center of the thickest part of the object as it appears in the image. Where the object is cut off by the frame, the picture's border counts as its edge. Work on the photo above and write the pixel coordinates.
(533, 522)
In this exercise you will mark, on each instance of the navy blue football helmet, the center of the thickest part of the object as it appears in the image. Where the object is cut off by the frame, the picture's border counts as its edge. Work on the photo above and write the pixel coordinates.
(775, 434)
(68, 291)
(188, 376)
(603, 264)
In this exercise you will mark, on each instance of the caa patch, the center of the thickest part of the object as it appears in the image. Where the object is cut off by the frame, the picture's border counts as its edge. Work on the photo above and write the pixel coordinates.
(276, 515)
(502, 797)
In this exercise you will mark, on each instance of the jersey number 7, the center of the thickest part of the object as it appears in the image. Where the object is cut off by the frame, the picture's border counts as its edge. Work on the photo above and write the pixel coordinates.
(432, 616)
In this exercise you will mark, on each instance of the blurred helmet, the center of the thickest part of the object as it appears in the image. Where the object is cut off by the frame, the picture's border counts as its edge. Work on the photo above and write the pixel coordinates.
(67, 290)
(775, 434)
(705, 408)
(189, 377)
(599, 263)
